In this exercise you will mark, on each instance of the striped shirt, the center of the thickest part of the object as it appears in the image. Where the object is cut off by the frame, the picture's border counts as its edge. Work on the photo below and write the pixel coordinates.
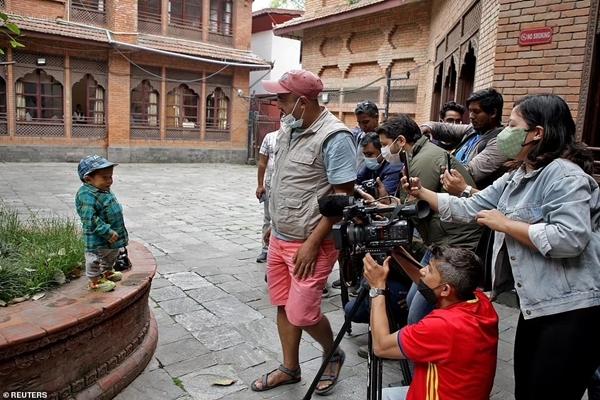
(101, 216)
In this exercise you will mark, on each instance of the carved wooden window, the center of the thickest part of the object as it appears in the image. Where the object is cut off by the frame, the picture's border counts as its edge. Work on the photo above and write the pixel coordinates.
(186, 12)
(220, 16)
(144, 105)
(217, 110)
(182, 108)
(39, 97)
(88, 102)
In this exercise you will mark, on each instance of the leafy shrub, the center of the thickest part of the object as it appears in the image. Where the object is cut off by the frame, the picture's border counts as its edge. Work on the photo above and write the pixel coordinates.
(37, 254)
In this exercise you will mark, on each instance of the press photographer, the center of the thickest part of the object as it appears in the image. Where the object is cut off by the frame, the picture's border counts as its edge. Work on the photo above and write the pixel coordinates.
(378, 177)
(454, 347)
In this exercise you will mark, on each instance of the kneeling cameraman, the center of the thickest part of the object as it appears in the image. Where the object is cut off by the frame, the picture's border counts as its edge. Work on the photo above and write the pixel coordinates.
(454, 347)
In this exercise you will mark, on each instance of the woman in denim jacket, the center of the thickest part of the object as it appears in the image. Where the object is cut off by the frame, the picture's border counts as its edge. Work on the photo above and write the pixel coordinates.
(546, 214)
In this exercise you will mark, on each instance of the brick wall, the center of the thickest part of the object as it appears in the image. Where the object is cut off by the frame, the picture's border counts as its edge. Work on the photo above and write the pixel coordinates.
(353, 53)
(484, 72)
(550, 68)
(242, 25)
(49, 9)
(122, 16)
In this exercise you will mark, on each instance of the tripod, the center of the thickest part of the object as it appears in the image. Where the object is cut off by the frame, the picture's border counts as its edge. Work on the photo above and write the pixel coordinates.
(374, 363)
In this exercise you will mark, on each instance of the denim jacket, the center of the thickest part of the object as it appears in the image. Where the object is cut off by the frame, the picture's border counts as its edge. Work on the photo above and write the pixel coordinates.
(562, 205)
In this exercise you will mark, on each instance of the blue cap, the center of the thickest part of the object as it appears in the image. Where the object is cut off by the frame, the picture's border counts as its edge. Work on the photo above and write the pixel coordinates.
(90, 164)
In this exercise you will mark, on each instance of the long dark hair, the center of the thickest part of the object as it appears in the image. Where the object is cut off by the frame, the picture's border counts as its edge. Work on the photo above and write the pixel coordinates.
(552, 113)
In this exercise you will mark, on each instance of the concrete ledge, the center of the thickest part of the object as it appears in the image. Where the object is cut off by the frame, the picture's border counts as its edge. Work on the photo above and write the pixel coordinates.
(19, 153)
(77, 343)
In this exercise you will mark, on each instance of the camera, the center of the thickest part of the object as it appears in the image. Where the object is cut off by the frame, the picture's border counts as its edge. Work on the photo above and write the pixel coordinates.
(369, 229)
(369, 186)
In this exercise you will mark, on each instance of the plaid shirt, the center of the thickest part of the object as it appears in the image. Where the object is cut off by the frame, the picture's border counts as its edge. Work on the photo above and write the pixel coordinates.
(101, 215)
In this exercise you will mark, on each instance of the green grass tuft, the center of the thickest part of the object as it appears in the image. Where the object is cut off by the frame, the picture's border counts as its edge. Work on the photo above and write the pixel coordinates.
(36, 254)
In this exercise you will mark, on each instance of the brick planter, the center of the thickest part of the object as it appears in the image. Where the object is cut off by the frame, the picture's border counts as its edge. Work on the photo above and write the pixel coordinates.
(77, 344)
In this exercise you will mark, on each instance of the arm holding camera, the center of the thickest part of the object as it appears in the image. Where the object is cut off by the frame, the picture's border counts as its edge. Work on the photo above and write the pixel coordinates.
(385, 344)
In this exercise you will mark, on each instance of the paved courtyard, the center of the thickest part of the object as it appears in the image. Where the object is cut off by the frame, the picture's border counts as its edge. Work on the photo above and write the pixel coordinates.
(202, 223)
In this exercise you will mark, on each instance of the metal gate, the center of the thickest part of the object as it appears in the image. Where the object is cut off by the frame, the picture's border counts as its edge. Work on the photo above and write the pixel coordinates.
(263, 118)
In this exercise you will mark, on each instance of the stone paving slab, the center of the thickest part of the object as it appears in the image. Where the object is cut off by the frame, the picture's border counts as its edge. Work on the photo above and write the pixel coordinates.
(202, 223)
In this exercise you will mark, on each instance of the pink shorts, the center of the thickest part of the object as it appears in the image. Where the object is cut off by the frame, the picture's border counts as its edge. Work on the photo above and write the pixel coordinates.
(301, 298)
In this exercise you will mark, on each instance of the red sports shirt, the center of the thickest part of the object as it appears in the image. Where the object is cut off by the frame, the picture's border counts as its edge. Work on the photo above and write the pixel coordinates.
(454, 351)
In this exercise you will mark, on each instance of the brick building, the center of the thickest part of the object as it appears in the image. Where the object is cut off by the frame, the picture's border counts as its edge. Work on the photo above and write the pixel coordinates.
(450, 48)
(137, 80)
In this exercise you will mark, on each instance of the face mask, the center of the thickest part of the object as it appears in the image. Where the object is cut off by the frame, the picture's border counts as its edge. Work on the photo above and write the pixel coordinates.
(290, 122)
(393, 159)
(372, 163)
(428, 292)
(511, 141)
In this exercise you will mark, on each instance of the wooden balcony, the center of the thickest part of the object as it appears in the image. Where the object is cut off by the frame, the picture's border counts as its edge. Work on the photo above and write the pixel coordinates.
(149, 23)
(185, 28)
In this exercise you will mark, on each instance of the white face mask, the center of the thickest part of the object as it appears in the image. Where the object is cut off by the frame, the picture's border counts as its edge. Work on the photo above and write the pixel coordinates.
(386, 152)
(289, 121)
(372, 163)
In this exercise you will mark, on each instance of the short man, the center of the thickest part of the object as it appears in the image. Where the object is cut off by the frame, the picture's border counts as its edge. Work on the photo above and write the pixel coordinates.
(476, 146)
(315, 156)
(454, 347)
(266, 159)
(367, 117)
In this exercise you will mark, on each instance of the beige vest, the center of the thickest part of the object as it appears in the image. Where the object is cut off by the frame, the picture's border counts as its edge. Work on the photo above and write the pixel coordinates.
(299, 177)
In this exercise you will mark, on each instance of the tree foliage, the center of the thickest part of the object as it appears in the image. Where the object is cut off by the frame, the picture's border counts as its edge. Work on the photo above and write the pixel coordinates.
(10, 30)
(290, 4)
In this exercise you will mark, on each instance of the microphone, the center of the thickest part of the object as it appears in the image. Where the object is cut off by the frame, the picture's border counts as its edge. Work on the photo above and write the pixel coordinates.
(333, 205)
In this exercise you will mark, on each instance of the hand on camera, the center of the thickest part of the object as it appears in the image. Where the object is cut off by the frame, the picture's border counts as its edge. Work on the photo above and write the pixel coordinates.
(260, 191)
(374, 273)
(453, 182)
(414, 187)
(364, 195)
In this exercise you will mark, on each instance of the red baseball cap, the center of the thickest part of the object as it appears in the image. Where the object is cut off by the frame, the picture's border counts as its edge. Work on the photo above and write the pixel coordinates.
(298, 81)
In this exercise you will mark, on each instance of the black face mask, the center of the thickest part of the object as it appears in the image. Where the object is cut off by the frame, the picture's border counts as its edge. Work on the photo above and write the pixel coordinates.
(428, 292)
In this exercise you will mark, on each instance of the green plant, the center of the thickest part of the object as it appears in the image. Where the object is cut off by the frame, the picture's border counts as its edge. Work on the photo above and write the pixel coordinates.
(178, 383)
(10, 30)
(36, 254)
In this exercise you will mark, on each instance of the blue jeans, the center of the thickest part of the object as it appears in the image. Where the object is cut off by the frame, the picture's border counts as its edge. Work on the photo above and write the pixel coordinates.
(418, 307)
(397, 294)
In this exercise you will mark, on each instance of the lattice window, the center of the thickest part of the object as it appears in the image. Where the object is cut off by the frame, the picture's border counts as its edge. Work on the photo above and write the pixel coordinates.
(149, 16)
(144, 105)
(92, 95)
(453, 39)
(39, 97)
(89, 11)
(403, 95)
(54, 62)
(439, 52)
(355, 96)
(472, 19)
(220, 16)
(186, 12)
(217, 110)
(2, 6)
(182, 108)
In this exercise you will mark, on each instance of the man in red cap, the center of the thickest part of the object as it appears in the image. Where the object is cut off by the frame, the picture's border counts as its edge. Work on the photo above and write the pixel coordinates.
(315, 156)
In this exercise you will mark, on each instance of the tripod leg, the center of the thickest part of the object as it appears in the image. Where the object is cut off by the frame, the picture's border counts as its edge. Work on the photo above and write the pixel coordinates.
(343, 260)
(362, 295)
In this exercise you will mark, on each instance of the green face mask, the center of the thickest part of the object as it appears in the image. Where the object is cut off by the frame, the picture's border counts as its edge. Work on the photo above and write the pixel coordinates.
(510, 141)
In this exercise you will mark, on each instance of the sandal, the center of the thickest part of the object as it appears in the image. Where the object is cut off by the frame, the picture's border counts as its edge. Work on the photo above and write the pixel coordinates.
(294, 375)
(338, 357)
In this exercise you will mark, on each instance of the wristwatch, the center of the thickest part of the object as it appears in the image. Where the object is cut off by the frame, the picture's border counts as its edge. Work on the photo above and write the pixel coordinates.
(374, 292)
(467, 191)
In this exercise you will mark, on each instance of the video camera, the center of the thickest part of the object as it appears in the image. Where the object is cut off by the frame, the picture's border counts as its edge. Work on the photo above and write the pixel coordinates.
(369, 186)
(369, 229)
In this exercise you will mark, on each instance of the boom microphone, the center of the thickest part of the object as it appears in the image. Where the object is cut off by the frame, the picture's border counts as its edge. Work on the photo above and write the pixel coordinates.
(333, 205)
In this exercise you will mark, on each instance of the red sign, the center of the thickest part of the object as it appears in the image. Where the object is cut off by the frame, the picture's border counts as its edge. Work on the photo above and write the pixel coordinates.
(529, 37)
